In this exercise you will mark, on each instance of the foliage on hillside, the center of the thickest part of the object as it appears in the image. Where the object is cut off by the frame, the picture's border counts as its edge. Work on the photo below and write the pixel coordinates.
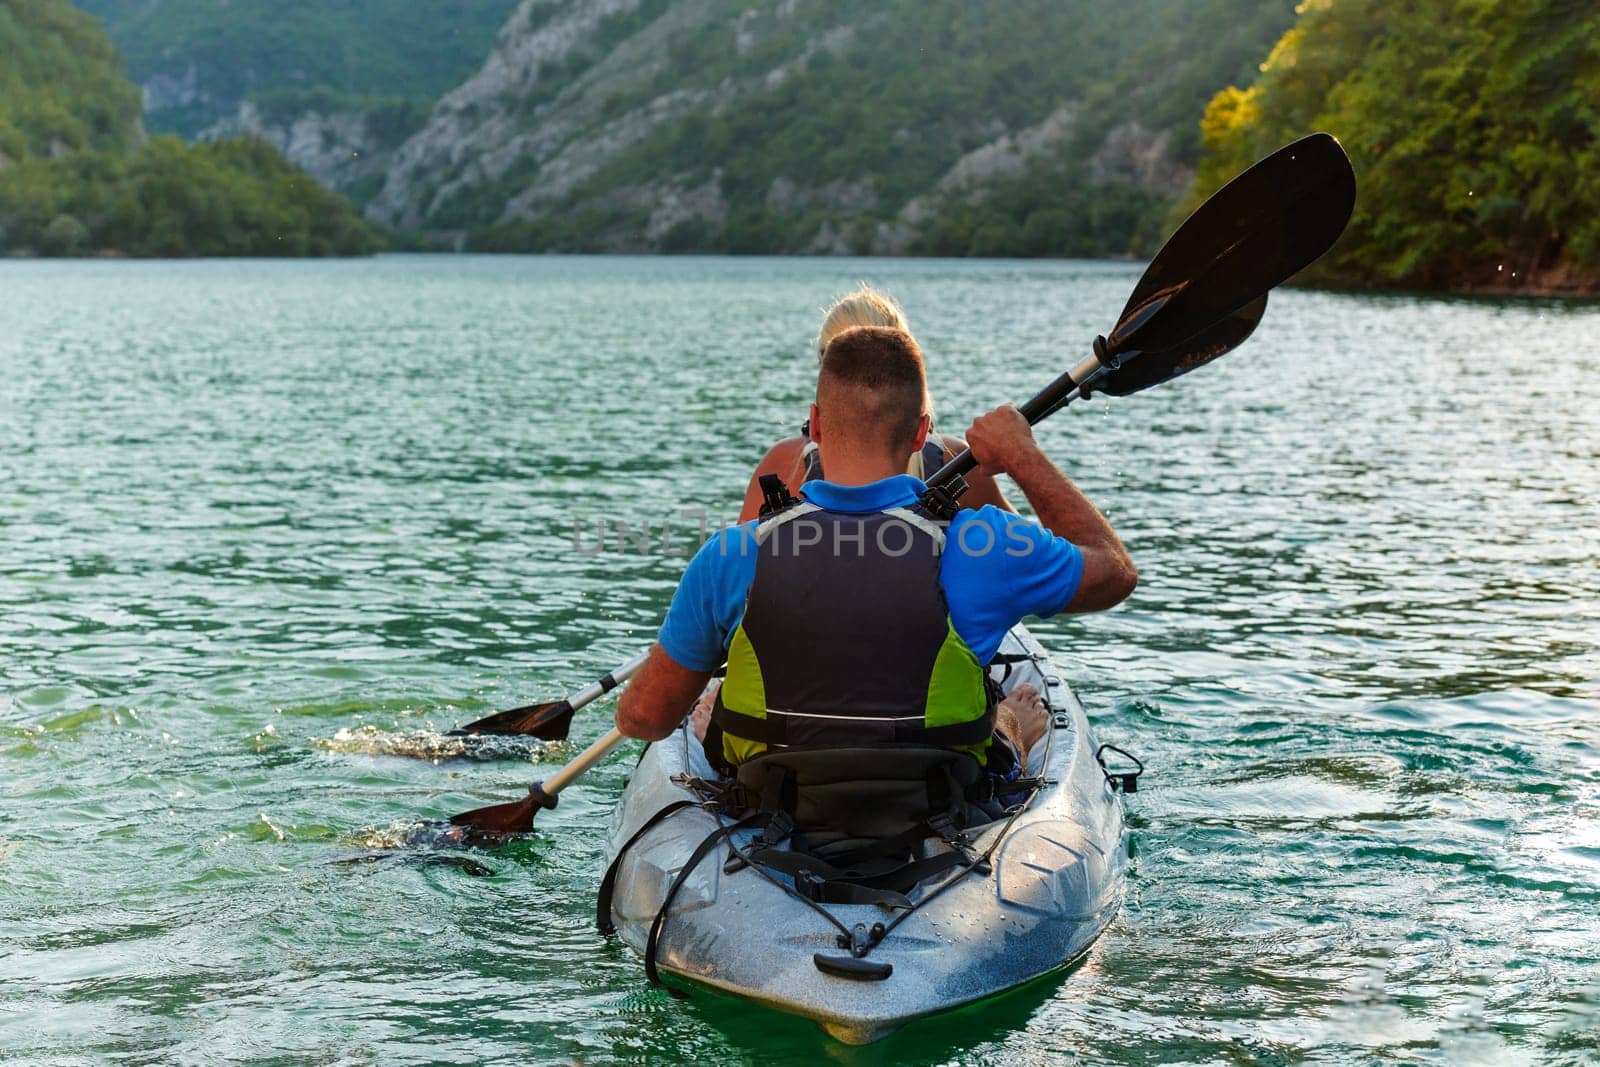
(1060, 206)
(885, 98)
(232, 198)
(215, 53)
(77, 176)
(60, 88)
(1474, 126)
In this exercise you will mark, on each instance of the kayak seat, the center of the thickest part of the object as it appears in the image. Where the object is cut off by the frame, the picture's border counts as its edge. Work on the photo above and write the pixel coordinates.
(858, 822)
(845, 798)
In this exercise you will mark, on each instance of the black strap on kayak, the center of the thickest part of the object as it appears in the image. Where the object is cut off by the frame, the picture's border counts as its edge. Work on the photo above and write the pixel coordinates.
(653, 942)
(880, 872)
(608, 884)
(1125, 780)
(981, 861)
(870, 882)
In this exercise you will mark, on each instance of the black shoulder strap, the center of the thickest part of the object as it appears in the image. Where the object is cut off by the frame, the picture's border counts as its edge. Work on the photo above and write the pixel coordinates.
(775, 496)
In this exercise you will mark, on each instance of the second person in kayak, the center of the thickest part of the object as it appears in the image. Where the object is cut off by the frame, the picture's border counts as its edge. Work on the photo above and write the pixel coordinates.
(856, 618)
(798, 460)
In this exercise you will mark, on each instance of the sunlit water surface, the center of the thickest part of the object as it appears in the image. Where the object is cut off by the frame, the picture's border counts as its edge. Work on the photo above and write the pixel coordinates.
(262, 523)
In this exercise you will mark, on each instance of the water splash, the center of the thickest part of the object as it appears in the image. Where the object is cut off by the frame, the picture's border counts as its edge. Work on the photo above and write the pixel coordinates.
(432, 745)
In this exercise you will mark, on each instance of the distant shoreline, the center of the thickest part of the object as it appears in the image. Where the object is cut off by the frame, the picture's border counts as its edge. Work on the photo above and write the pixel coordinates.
(1564, 285)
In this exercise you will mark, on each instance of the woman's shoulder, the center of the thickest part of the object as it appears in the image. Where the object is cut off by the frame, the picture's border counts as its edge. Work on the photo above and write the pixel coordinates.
(785, 452)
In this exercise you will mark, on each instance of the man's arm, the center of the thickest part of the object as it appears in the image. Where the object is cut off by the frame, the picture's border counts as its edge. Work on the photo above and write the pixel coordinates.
(1003, 441)
(659, 696)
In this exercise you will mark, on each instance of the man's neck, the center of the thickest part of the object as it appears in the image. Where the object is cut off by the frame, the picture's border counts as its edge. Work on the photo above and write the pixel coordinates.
(859, 470)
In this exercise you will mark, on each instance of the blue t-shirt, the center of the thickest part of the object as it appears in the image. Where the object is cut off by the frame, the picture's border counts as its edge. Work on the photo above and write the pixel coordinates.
(996, 568)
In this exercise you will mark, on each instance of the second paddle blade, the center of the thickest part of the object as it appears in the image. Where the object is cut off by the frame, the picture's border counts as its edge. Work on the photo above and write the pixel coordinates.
(547, 722)
(512, 817)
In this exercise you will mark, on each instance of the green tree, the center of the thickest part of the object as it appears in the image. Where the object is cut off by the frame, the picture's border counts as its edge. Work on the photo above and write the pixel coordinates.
(1474, 126)
(77, 176)
(65, 236)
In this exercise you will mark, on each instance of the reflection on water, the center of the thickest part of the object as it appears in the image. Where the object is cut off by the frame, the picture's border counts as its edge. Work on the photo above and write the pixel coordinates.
(270, 530)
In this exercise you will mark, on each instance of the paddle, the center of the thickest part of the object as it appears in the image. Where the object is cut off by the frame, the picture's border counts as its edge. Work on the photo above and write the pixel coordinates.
(1201, 296)
(552, 721)
(1204, 292)
(516, 817)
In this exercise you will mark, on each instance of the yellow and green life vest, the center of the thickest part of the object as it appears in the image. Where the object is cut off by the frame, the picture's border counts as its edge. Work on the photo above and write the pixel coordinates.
(846, 641)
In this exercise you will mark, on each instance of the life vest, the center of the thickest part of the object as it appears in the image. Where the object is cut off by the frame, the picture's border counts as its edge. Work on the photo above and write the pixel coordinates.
(922, 463)
(846, 641)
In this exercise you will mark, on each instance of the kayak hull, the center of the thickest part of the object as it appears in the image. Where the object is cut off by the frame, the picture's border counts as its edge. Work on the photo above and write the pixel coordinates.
(1057, 879)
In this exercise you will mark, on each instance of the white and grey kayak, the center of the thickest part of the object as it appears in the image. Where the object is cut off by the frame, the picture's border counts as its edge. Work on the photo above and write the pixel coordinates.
(1053, 880)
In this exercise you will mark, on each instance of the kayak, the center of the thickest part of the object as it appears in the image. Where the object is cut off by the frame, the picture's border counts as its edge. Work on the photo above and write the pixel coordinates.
(1045, 878)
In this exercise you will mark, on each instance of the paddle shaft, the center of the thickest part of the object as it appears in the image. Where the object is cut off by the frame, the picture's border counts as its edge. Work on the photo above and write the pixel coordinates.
(1046, 402)
(594, 691)
(585, 759)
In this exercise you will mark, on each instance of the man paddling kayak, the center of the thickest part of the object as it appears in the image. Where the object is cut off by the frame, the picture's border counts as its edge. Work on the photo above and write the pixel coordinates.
(854, 617)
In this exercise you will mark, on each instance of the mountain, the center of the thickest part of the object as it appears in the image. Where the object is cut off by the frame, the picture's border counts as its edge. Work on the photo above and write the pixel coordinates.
(198, 60)
(78, 175)
(1018, 127)
(1474, 126)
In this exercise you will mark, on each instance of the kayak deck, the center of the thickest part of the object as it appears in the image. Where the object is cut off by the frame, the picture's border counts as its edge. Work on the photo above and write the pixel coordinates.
(1055, 880)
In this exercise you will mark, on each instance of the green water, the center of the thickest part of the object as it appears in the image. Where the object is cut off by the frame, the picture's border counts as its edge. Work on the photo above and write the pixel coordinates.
(258, 519)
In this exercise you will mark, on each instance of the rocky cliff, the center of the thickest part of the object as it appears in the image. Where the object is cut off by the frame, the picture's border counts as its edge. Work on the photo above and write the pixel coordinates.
(348, 144)
(1028, 126)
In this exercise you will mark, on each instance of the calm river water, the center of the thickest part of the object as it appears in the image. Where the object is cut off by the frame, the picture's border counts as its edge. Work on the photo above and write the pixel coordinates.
(258, 519)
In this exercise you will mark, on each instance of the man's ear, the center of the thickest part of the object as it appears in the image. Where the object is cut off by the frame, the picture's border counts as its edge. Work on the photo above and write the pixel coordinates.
(924, 424)
(816, 424)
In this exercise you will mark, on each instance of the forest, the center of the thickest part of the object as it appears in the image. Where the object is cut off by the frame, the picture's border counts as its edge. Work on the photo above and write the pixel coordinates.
(79, 175)
(815, 95)
(1474, 126)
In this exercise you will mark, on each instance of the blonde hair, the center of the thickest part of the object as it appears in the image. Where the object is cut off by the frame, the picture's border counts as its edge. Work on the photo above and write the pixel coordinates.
(864, 307)
(867, 307)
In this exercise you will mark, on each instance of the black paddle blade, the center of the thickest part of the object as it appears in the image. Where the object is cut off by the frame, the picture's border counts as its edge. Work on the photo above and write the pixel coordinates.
(1256, 232)
(1153, 368)
(502, 820)
(547, 722)
(515, 817)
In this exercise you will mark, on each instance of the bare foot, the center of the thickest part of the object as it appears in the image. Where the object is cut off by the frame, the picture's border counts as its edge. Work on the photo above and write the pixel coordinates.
(700, 717)
(1023, 719)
